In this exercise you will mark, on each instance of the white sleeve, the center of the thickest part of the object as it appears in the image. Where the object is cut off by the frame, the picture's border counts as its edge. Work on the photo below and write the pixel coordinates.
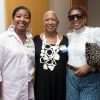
(1, 59)
(96, 35)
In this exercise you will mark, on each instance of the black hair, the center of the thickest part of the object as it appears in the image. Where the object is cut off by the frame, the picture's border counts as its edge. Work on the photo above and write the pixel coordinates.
(19, 8)
(83, 10)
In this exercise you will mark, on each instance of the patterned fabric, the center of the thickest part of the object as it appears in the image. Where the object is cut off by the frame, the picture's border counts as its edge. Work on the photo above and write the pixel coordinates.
(82, 88)
(49, 54)
(93, 55)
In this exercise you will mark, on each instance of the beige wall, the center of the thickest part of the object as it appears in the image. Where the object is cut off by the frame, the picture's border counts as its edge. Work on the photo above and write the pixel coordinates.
(94, 12)
(61, 8)
(37, 8)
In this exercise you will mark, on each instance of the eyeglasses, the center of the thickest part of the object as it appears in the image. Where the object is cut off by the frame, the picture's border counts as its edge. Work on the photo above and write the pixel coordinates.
(72, 17)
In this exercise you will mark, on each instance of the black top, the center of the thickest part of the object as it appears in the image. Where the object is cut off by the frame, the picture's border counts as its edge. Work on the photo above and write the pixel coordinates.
(50, 85)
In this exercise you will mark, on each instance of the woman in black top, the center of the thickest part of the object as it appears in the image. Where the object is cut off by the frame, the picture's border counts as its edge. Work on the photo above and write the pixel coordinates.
(51, 58)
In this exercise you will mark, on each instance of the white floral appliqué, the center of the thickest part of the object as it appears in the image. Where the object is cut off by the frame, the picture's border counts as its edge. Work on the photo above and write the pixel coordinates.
(49, 54)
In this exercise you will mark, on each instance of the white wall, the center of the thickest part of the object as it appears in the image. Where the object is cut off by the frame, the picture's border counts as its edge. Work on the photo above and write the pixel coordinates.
(2, 16)
(61, 7)
(94, 12)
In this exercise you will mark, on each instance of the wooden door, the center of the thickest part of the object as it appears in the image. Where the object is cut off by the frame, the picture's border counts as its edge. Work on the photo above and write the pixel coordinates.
(80, 3)
(37, 8)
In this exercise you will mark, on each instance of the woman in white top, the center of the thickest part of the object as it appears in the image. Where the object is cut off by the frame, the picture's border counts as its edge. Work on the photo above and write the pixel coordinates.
(17, 58)
(82, 83)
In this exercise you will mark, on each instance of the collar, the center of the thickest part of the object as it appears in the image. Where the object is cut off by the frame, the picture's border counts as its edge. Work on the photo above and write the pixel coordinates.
(78, 31)
(11, 32)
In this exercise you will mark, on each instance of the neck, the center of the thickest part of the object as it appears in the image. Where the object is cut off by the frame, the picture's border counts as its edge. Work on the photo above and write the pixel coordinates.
(52, 38)
(50, 35)
(20, 33)
(81, 28)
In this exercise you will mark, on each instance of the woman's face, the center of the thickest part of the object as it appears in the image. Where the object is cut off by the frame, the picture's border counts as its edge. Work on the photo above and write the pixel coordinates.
(21, 20)
(50, 22)
(76, 19)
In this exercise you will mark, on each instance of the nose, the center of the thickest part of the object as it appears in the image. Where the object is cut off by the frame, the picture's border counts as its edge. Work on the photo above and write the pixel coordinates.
(50, 22)
(75, 18)
(22, 18)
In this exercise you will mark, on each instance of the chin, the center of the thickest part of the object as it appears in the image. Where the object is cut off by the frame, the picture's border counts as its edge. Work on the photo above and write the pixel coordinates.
(49, 30)
(78, 27)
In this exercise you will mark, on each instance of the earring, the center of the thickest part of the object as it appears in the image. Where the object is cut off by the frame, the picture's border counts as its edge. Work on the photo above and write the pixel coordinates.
(11, 27)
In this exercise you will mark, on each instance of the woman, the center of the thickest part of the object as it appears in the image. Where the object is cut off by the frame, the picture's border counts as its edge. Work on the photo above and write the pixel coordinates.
(82, 83)
(17, 58)
(51, 58)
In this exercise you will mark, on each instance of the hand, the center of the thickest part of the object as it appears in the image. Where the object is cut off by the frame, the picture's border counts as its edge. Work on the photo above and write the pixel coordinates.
(82, 71)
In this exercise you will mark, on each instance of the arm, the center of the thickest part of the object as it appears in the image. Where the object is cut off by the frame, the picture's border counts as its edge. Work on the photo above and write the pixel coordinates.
(1, 65)
(2, 56)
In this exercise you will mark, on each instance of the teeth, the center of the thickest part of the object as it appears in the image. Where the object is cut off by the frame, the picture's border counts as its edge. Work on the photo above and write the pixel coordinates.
(76, 23)
(21, 24)
(50, 27)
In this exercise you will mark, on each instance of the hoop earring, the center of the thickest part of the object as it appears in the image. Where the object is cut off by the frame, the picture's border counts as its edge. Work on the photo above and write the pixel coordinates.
(11, 27)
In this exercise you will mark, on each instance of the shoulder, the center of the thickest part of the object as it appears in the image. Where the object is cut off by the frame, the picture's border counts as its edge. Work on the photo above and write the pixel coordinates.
(65, 37)
(4, 35)
(36, 37)
(95, 34)
(3, 38)
(69, 35)
(95, 31)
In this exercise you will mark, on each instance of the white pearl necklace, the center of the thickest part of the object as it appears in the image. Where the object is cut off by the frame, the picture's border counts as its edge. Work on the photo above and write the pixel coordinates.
(49, 54)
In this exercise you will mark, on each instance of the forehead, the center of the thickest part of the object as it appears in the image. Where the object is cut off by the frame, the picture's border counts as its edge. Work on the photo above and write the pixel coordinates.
(22, 11)
(50, 14)
(75, 12)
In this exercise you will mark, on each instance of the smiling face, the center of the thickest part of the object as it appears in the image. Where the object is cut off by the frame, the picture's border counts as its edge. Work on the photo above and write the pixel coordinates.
(50, 22)
(76, 19)
(21, 20)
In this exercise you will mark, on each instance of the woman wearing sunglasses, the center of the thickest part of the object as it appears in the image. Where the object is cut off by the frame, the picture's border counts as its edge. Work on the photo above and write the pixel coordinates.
(82, 82)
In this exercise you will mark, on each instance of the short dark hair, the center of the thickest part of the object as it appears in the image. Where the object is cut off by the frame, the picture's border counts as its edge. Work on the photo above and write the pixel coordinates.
(19, 8)
(82, 9)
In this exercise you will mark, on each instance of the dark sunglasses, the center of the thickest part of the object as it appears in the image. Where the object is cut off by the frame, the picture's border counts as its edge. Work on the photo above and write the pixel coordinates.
(72, 17)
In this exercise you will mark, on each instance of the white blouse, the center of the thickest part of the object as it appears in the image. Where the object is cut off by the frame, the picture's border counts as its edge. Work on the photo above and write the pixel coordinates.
(16, 65)
(77, 40)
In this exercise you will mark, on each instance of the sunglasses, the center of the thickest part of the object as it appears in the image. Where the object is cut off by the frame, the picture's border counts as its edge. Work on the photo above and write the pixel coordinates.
(72, 17)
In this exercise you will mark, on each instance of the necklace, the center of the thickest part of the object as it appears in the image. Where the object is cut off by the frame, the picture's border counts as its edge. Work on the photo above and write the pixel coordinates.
(49, 54)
